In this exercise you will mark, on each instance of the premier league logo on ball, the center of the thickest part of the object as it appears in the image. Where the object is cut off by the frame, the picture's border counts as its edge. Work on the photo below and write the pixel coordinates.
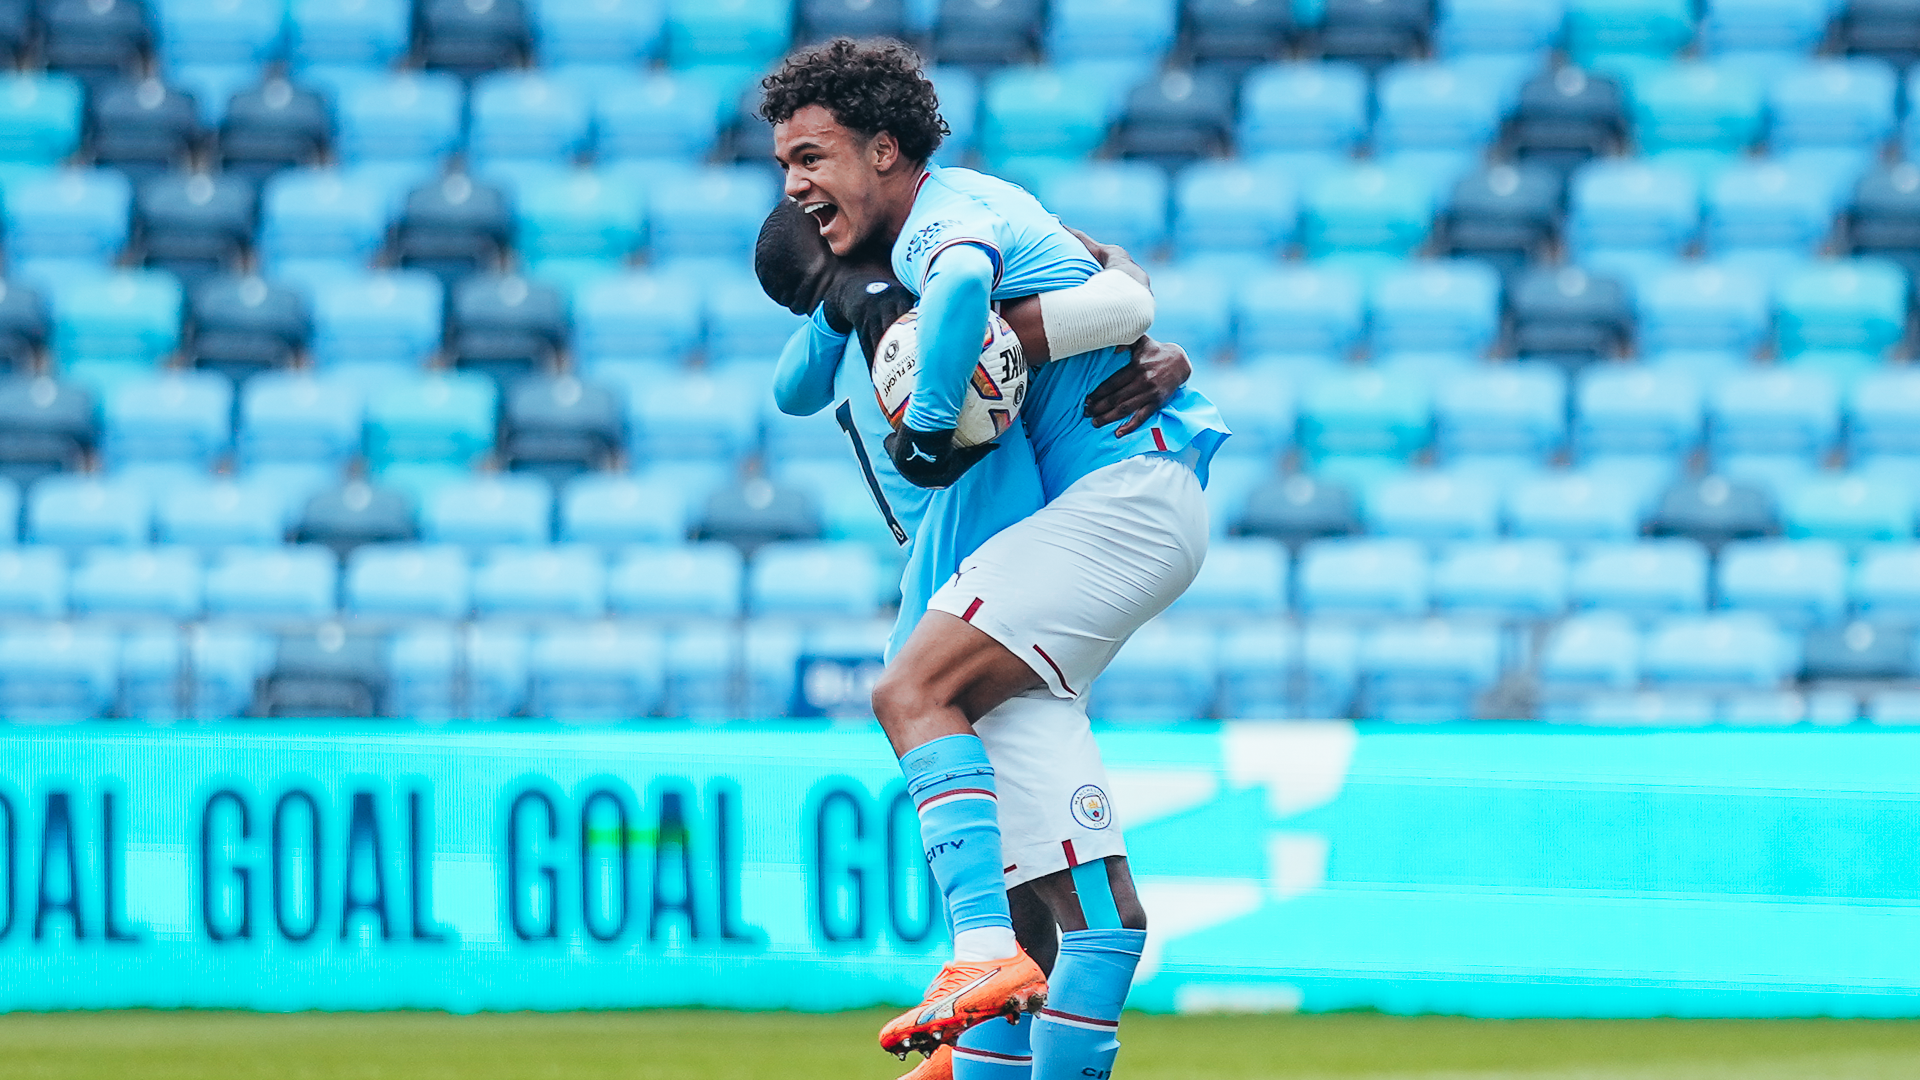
(1090, 807)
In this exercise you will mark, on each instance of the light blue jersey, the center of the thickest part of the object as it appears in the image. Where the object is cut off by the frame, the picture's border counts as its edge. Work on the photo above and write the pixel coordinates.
(938, 527)
(1033, 253)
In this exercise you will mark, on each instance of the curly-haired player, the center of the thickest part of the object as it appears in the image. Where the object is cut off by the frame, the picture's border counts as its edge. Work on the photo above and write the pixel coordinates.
(1042, 605)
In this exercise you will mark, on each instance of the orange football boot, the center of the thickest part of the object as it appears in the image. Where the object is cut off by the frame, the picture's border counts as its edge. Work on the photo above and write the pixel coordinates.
(966, 994)
(937, 1067)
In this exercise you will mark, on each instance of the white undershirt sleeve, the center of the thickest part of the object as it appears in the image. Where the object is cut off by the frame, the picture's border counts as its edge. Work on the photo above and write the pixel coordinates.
(1108, 310)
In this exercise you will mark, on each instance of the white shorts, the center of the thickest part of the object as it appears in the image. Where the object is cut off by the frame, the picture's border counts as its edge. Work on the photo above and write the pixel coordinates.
(1055, 807)
(1064, 588)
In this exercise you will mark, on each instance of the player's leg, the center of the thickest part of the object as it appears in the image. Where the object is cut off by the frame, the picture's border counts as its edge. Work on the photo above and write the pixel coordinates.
(1104, 933)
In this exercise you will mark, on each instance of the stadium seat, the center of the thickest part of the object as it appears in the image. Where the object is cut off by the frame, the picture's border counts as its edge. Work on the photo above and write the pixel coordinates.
(695, 414)
(1515, 579)
(1162, 673)
(67, 214)
(1714, 510)
(1858, 304)
(1732, 650)
(1293, 107)
(1229, 33)
(1231, 206)
(1431, 670)
(387, 317)
(749, 32)
(385, 579)
(355, 513)
(1436, 307)
(1373, 32)
(1605, 28)
(599, 672)
(1362, 577)
(9, 512)
(1777, 411)
(371, 32)
(1178, 116)
(45, 426)
(1798, 583)
(403, 116)
(1631, 409)
(507, 327)
(1569, 317)
(1100, 29)
(437, 417)
(1567, 116)
(979, 33)
(606, 509)
(557, 427)
(1304, 309)
(1703, 307)
(1517, 409)
(1883, 220)
(41, 117)
(836, 485)
(1431, 105)
(1765, 26)
(1631, 205)
(489, 509)
(96, 41)
(1298, 508)
(1857, 650)
(118, 322)
(221, 513)
(559, 581)
(469, 39)
(1242, 578)
(1643, 579)
(61, 673)
(285, 582)
(1122, 203)
(658, 116)
(292, 416)
(1263, 412)
(1883, 413)
(524, 115)
(1885, 586)
(743, 324)
(1500, 27)
(161, 582)
(1434, 506)
(1766, 207)
(321, 214)
(242, 325)
(143, 127)
(590, 32)
(1832, 102)
(579, 217)
(150, 668)
(1366, 208)
(1572, 506)
(823, 20)
(195, 225)
(33, 582)
(816, 579)
(1697, 106)
(1851, 509)
(80, 511)
(177, 416)
(1587, 653)
(1257, 663)
(329, 671)
(1503, 214)
(635, 317)
(1041, 111)
(709, 213)
(221, 31)
(662, 582)
(453, 227)
(1358, 410)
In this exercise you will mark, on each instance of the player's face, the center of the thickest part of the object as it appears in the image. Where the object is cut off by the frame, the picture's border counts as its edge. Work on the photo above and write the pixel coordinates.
(834, 174)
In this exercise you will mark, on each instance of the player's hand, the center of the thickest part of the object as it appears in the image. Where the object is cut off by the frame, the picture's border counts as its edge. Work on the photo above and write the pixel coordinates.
(1156, 372)
(929, 459)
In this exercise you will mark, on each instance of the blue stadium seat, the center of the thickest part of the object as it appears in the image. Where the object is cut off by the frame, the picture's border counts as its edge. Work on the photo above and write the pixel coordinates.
(1765, 26)
(1852, 509)
(1696, 106)
(1514, 579)
(1232, 206)
(1244, 577)
(1586, 653)
(1573, 506)
(580, 215)
(1434, 506)
(1776, 411)
(1517, 409)
(635, 317)
(33, 582)
(1365, 207)
(699, 663)
(1449, 306)
(1568, 316)
(742, 322)
(558, 581)
(715, 212)
(693, 580)
(150, 669)
(1431, 670)
(97, 42)
(1304, 309)
(1653, 577)
(1798, 583)
(1883, 413)
(1885, 585)
(321, 214)
(507, 327)
(221, 513)
(172, 417)
(370, 32)
(1306, 106)
(221, 31)
(470, 40)
(119, 322)
(163, 582)
(1263, 394)
(404, 116)
(659, 116)
(696, 414)
(290, 582)
(292, 416)
(1373, 577)
(1162, 673)
(1097, 29)
(497, 670)
(1177, 116)
(382, 318)
(1622, 409)
(1120, 202)
(40, 118)
(1359, 410)
(838, 487)
(422, 666)
(408, 580)
(77, 511)
(1634, 28)
(602, 672)
(1257, 662)
(1499, 27)
(824, 578)
(63, 673)
(1856, 304)
(523, 115)
(1632, 205)
(1703, 307)
(1434, 106)
(1733, 650)
(491, 508)
(9, 512)
(593, 32)
(1832, 102)
(770, 662)
(739, 32)
(1040, 111)
(68, 214)
(1767, 206)
(142, 128)
(602, 508)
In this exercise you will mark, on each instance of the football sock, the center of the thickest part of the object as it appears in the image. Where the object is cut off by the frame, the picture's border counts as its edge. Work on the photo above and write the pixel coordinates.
(995, 1050)
(951, 782)
(1075, 1035)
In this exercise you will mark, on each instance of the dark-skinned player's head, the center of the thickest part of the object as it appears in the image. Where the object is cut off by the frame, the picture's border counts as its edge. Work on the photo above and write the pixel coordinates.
(798, 271)
(853, 124)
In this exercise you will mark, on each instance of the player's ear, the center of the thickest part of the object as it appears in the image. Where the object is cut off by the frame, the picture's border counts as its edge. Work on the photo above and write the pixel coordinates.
(884, 150)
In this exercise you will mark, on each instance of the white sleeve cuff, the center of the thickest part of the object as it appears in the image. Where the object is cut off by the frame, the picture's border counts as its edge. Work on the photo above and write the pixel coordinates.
(1108, 310)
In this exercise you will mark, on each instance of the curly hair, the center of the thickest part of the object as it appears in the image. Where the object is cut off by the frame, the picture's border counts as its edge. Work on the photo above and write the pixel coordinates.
(868, 86)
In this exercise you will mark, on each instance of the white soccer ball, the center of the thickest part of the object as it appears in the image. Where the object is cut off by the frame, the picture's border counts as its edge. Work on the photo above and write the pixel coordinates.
(993, 396)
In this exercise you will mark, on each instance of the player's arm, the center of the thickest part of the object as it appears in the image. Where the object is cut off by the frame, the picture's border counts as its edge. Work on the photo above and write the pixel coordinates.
(1108, 310)
(1157, 370)
(803, 379)
(953, 321)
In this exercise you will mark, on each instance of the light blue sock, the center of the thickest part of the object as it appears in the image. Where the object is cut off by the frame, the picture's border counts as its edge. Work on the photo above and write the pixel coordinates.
(1075, 1035)
(951, 782)
(995, 1050)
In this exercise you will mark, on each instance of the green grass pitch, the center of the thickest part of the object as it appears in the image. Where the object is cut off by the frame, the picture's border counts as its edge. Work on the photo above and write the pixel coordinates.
(691, 1045)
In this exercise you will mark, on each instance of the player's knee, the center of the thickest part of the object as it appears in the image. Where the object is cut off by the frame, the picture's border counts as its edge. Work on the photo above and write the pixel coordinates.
(899, 696)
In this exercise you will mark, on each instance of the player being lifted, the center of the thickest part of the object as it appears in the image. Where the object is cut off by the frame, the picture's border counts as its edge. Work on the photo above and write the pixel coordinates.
(1041, 746)
(1043, 604)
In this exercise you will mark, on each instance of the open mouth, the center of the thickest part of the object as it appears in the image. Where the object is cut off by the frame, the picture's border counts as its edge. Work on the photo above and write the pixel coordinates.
(823, 214)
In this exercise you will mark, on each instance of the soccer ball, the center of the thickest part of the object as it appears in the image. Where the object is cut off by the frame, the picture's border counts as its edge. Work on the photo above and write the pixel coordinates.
(993, 395)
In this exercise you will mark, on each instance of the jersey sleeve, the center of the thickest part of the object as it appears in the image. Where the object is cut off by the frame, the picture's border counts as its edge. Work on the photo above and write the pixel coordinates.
(941, 224)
